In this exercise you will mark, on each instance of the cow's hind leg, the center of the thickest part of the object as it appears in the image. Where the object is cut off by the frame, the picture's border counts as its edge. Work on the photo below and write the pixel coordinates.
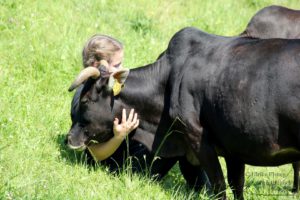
(296, 167)
(236, 177)
(195, 176)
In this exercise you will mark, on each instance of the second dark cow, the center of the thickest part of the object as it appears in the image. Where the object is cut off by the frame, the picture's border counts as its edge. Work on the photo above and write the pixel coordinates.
(276, 22)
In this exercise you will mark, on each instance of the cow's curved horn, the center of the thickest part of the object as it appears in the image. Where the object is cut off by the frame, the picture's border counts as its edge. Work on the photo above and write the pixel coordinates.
(86, 73)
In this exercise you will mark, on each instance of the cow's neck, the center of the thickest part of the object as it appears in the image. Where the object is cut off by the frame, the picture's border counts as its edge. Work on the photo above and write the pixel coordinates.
(144, 88)
(144, 91)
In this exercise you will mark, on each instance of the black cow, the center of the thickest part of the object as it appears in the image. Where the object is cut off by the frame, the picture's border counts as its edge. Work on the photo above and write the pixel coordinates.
(276, 22)
(226, 92)
(94, 107)
(236, 97)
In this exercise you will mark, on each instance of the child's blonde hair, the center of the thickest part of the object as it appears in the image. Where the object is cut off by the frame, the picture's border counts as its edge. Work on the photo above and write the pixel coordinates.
(100, 47)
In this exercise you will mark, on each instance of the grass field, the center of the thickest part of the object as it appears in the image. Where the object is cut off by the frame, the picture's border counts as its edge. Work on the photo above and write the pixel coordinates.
(40, 53)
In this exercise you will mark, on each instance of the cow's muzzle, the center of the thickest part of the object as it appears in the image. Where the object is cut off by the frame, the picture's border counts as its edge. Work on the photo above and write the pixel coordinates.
(78, 146)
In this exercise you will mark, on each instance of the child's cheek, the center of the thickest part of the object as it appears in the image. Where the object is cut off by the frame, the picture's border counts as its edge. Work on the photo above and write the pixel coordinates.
(112, 69)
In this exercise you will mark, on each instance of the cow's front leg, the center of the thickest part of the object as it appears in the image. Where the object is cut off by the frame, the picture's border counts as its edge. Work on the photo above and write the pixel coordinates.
(161, 166)
(210, 162)
(195, 176)
(206, 154)
(236, 177)
(296, 167)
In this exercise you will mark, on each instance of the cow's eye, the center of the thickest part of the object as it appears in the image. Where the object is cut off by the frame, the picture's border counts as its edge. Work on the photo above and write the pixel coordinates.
(86, 132)
(84, 100)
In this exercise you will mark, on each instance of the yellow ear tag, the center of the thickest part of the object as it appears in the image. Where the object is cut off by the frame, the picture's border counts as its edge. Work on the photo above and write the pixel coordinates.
(117, 88)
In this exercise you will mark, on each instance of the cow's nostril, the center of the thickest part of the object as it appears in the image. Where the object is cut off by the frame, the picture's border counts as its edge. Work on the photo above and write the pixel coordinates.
(66, 140)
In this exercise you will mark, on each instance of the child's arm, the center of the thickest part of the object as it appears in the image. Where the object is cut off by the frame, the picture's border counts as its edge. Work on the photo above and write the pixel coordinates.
(101, 151)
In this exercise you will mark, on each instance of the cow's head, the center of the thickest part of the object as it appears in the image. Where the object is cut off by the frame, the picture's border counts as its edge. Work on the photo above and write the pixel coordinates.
(94, 112)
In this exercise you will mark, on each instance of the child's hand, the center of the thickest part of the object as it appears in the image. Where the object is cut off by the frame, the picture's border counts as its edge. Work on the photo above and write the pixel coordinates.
(127, 125)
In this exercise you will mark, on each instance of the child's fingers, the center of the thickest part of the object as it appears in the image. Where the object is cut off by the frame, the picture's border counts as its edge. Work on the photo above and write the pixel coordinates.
(134, 118)
(123, 116)
(130, 116)
(136, 124)
(133, 121)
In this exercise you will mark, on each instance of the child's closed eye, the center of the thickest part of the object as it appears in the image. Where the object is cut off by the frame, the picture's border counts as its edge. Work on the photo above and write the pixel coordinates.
(117, 65)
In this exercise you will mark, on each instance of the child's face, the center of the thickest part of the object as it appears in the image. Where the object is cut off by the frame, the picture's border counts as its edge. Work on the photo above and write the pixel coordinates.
(116, 61)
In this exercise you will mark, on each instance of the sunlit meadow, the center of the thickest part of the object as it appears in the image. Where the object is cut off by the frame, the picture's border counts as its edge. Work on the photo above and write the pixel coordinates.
(40, 53)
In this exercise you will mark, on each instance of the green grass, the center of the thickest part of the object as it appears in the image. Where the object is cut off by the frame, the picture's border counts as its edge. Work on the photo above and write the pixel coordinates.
(40, 53)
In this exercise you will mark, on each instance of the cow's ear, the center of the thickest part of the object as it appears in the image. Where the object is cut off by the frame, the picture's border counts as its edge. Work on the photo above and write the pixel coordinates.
(120, 75)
